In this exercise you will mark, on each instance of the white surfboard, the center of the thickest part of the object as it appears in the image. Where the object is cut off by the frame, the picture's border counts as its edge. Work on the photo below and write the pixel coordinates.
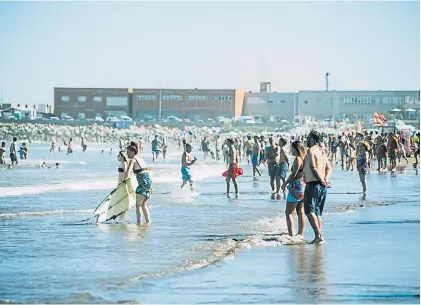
(121, 199)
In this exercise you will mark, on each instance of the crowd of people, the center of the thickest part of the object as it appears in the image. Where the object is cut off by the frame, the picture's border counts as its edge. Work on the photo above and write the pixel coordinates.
(313, 156)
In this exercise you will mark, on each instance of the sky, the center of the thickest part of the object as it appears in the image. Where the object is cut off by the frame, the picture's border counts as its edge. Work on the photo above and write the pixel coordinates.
(363, 45)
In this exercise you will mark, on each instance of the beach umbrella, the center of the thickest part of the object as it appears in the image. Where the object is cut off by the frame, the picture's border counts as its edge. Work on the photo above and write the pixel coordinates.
(410, 110)
(395, 110)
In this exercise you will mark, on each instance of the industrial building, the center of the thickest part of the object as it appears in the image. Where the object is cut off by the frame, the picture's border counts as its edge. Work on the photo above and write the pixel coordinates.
(190, 104)
(354, 105)
(337, 105)
(195, 104)
(82, 103)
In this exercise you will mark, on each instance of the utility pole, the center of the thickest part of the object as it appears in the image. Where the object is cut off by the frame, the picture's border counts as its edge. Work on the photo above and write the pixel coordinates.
(332, 99)
(327, 81)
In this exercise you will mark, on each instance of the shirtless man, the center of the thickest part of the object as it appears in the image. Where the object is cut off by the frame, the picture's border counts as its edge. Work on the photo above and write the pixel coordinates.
(255, 159)
(316, 175)
(217, 148)
(283, 162)
(392, 147)
(155, 148)
(248, 147)
(13, 152)
(272, 160)
(53, 145)
(186, 162)
(232, 168)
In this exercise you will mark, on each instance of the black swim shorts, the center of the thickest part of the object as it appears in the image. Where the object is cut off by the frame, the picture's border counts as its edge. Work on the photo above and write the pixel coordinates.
(314, 198)
(13, 157)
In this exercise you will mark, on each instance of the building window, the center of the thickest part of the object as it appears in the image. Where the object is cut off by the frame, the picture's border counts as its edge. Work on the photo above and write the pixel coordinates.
(97, 99)
(172, 97)
(119, 101)
(197, 98)
(222, 97)
(81, 99)
(65, 98)
(146, 97)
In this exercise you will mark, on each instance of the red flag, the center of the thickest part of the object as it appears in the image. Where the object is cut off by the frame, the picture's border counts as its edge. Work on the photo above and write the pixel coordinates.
(379, 119)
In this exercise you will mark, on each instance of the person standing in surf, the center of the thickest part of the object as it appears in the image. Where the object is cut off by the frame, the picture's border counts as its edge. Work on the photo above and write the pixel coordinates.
(3, 153)
(155, 148)
(362, 164)
(272, 160)
(283, 162)
(317, 171)
(296, 187)
(53, 145)
(233, 170)
(186, 162)
(83, 143)
(255, 159)
(164, 147)
(122, 168)
(69, 147)
(144, 189)
(13, 152)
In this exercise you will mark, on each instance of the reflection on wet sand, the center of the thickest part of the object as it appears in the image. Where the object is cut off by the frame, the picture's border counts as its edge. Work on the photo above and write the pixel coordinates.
(307, 272)
(129, 232)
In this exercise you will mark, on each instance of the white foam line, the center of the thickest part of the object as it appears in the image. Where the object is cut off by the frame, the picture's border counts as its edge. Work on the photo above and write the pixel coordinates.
(44, 213)
(100, 184)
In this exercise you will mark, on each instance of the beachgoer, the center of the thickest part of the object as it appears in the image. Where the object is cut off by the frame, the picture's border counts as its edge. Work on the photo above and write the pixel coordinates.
(296, 187)
(3, 153)
(164, 147)
(316, 176)
(232, 159)
(155, 148)
(248, 147)
(283, 161)
(83, 143)
(13, 152)
(144, 190)
(272, 160)
(186, 162)
(255, 158)
(122, 168)
(362, 164)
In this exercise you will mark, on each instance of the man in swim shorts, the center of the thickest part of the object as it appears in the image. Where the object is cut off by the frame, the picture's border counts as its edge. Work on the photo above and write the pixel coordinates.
(186, 162)
(155, 148)
(13, 152)
(317, 171)
(255, 158)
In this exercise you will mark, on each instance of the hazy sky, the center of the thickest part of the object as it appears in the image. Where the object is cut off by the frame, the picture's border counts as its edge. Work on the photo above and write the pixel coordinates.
(364, 45)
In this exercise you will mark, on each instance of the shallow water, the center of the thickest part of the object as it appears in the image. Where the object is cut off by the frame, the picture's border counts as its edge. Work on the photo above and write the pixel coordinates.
(201, 247)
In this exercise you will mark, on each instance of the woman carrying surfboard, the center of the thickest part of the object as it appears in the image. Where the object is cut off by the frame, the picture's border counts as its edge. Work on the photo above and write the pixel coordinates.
(143, 191)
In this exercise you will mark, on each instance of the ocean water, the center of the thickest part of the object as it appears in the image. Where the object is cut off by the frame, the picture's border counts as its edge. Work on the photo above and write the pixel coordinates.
(201, 247)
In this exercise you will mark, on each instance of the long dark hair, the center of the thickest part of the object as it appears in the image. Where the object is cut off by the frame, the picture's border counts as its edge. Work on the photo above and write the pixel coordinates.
(299, 147)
